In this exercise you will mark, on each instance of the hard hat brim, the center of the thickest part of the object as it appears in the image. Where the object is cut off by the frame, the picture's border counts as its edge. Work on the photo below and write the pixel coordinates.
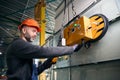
(38, 28)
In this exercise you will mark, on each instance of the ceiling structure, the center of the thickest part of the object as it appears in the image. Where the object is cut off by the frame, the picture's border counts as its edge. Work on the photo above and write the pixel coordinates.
(12, 12)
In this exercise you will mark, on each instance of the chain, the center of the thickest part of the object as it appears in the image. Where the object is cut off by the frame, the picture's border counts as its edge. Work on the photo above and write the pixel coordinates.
(73, 8)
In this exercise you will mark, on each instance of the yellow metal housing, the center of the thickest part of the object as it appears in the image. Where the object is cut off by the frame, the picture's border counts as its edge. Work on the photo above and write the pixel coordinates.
(85, 29)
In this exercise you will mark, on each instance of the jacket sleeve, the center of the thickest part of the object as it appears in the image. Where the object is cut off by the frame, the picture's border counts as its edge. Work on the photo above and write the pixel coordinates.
(26, 50)
(47, 64)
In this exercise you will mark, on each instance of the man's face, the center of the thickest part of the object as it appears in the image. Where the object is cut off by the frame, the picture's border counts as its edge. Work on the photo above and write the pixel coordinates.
(30, 33)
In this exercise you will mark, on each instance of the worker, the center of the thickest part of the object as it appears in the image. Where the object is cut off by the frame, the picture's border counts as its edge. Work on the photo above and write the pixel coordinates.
(21, 52)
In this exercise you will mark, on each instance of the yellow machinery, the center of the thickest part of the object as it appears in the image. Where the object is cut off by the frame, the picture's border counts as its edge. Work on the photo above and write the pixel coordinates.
(39, 12)
(83, 29)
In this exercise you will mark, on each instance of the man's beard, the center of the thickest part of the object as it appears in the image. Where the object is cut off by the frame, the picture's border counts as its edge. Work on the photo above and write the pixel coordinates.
(28, 38)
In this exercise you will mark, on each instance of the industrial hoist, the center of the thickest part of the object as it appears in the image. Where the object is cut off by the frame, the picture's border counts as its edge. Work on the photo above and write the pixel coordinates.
(83, 30)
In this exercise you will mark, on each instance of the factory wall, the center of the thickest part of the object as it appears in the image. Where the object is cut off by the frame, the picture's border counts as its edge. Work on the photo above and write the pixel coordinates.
(87, 8)
(102, 60)
(99, 71)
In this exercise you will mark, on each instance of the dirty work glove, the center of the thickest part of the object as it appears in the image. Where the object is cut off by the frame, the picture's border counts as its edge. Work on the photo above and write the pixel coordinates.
(77, 47)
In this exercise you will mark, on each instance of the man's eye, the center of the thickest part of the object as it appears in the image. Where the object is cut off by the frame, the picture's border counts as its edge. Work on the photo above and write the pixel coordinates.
(34, 31)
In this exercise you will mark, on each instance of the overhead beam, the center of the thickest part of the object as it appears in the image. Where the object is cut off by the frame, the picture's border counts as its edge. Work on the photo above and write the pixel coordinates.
(49, 1)
(20, 10)
(52, 5)
(51, 11)
(15, 21)
(7, 32)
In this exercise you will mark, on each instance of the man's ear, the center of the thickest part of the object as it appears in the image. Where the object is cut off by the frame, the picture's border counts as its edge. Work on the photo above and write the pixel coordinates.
(23, 30)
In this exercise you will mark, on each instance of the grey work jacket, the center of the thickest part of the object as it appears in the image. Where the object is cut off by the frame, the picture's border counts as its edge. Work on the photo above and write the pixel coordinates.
(20, 54)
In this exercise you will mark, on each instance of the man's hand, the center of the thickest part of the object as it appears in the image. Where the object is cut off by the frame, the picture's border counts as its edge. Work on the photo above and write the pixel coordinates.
(54, 60)
(77, 47)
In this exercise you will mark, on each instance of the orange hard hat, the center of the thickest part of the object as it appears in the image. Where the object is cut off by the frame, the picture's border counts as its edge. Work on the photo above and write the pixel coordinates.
(30, 23)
